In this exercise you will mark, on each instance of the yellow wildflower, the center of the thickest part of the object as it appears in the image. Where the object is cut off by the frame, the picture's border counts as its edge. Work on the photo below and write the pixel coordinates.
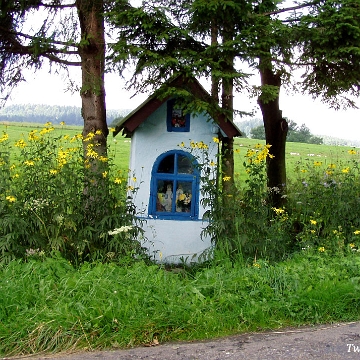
(331, 166)
(103, 158)
(11, 199)
(317, 163)
(20, 143)
(54, 171)
(29, 163)
(112, 129)
(352, 152)
(278, 211)
(89, 136)
(105, 174)
(134, 179)
(91, 153)
(321, 249)
(352, 245)
(4, 137)
(250, 153)
(258, 146)
(182, 144)
(202, 145)
(216, 140)
(237, 151)
(313, 222)
(303, 170)
(98, 132)
(212, 163)
(118, 181)
(62, 123)
(357, 232)
(130, 188)
(345, 170)
(226, 178)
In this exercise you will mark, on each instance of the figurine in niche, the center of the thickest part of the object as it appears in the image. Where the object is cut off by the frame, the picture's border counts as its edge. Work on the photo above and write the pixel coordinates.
(183, 200)
(179, 193)
(168, 198)
(177, 119)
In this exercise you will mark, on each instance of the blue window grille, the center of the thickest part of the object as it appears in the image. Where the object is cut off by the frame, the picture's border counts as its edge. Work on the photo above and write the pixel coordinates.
(174, 188)
(177, 121)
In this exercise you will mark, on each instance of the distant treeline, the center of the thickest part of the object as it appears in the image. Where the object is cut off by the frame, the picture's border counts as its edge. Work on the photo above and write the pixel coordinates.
(42, 114)
(254, 128)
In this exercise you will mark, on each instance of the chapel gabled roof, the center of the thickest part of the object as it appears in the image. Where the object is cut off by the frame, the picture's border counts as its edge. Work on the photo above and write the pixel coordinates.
(135, 118)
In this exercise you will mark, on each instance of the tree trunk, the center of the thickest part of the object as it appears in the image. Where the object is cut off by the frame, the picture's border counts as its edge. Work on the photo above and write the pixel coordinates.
(227, 146)
(275, 134)
(95, 131)
(92, 52)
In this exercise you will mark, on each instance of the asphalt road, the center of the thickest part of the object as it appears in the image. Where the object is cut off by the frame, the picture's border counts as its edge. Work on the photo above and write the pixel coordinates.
(330, 342)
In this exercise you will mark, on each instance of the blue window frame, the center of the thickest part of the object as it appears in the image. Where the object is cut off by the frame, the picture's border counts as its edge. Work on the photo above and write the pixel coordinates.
(177, 121)
(174, 186)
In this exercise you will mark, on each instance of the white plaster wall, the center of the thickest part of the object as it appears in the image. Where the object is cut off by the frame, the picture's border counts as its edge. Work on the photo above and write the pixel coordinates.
(172, 241)
(171, 238)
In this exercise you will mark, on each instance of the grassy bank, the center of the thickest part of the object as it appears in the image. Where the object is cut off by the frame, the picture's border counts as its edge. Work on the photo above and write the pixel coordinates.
(49, 306)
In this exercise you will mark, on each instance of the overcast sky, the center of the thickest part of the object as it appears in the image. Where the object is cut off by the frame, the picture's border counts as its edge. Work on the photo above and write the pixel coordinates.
(44, 88)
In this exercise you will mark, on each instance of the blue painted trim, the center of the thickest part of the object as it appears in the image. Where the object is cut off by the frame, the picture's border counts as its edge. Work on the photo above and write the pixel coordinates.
(170, 127)
(175, 177)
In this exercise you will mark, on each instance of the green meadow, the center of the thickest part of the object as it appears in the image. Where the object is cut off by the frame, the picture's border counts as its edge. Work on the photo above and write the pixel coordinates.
(119, 147)
(67, 283)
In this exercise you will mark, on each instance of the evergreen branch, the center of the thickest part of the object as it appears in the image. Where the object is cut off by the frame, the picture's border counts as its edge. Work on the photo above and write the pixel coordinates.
(290, 8)
(57, 6)
(31, 37)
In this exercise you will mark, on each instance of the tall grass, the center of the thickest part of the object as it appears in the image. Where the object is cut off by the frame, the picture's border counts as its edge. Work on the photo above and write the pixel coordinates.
(49, 306)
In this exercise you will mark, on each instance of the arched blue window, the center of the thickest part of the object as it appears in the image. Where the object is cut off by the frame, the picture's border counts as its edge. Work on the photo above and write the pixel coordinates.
(174, 186)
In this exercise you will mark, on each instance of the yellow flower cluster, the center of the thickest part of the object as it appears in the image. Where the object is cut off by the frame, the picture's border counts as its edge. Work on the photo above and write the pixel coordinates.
(20, 144)
(260, 153)
(90, 152)
(352, 152)
(29, 163)
(47, 129)
(278, 211)
(32, 135)
(198, 145)
(4, 137)
(62, 157)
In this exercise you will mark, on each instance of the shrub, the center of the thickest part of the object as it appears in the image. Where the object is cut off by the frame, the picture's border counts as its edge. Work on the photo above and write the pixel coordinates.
(46, 203)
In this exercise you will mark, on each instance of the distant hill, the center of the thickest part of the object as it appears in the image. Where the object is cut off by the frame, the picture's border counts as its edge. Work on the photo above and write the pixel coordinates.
(41, 114)
(247, 125)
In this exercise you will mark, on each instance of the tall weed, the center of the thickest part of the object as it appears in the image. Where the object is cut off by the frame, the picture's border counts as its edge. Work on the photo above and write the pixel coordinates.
(46, 206)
